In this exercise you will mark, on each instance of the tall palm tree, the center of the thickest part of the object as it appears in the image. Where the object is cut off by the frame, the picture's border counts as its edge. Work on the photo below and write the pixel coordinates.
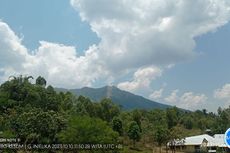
(27, 78)
(12, 78)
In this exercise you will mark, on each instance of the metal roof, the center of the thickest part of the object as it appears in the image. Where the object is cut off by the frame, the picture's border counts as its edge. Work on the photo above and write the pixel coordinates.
(197, 140)
(217, 140)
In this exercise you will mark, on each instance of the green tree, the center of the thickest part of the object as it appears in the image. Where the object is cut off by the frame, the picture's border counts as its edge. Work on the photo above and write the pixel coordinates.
(134, 132)
(223, 120)
(161, 136)
(84, 106)
(87, 130)
(137, 118)
(108, 110)
(38, 126)
(117, 125)
(172, 116)
(187, 121)
(67, 101)
(41, 81)
(175, 133)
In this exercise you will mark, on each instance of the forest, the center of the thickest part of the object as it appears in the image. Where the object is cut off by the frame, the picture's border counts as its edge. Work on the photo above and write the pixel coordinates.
(32, 112)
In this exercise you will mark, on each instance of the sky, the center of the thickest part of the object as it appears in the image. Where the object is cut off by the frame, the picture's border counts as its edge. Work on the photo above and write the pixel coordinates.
(171, 51)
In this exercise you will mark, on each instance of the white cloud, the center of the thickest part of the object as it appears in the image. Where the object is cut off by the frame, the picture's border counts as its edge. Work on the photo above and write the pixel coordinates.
(150, 32)
(58, 63)
(141, 79)
(191, 100)
(187, 100)
(12, 52)
(62, 67)
(173, 97)
(13, 55)
(156, 94)
(135, 35)
(223, 93)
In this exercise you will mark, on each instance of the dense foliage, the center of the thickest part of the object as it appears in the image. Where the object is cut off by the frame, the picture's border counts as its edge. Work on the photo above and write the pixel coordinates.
(36, 113)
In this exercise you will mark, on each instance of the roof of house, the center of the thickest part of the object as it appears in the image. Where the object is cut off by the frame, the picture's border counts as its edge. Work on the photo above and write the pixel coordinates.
(197, 140)
(216, 140)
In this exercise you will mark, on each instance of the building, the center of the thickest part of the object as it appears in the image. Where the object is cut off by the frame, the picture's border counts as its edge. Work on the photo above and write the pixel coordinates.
(200, 143)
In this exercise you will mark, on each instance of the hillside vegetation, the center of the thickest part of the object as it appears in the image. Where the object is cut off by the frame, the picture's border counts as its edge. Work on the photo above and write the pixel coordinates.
(127, 100)
(37, 114)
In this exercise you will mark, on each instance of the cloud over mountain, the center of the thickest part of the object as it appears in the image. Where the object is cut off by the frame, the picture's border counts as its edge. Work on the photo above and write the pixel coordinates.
(141, 79)
(134, 35)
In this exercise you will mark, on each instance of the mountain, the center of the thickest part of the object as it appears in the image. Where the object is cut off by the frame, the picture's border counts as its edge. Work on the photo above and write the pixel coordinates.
(127, 100)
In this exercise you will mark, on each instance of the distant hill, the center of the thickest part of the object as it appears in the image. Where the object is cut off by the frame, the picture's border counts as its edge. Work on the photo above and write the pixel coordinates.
(127, 100)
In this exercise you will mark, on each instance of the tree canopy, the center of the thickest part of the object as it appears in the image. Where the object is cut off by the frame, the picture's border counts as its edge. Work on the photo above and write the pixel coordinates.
(37, 113)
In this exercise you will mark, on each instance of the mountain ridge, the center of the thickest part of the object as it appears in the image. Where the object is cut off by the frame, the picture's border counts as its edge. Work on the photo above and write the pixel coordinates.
(127, 100)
